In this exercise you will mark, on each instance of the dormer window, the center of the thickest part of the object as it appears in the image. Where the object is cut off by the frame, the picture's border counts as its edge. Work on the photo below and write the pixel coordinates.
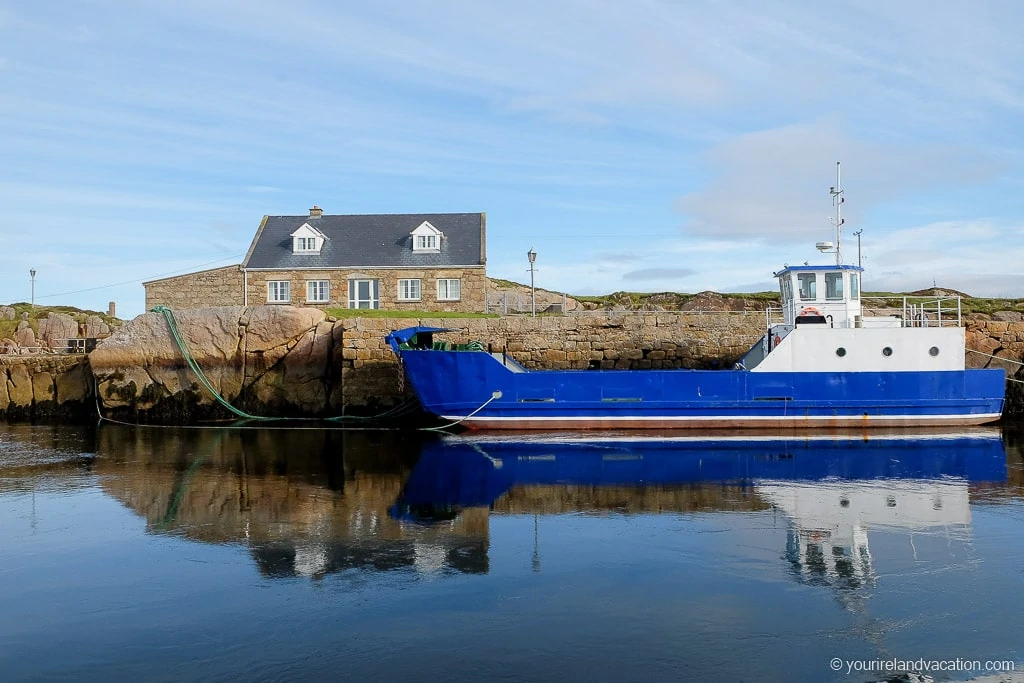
(426, 242)
(307, 240)
(426, 238)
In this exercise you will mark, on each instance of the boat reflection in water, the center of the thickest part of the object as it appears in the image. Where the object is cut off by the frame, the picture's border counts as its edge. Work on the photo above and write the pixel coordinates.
(832, 488)
(316, 502)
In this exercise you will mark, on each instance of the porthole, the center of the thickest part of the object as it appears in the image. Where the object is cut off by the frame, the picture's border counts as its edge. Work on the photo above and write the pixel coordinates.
(887, 351)
(840, 352)
(934, 351)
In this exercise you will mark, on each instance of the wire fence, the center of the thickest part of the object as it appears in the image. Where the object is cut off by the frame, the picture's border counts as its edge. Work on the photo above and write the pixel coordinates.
(910, 311)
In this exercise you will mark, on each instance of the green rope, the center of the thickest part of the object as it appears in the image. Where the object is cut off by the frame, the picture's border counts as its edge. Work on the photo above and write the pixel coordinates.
(183, 346)
(400, 410)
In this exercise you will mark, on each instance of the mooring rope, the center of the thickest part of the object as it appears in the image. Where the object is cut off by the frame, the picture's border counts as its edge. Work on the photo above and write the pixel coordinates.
(402, 409)
(494, 395)
(187, 354)
(1006, 360)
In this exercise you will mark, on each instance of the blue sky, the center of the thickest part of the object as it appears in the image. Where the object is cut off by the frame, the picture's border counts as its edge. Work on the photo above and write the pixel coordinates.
(647, 146)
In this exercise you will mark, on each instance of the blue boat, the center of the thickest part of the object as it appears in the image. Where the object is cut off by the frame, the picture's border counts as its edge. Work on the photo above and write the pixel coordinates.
(822, 363)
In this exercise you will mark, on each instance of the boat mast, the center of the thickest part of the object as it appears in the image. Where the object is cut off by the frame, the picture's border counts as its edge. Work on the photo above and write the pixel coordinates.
(837, 201)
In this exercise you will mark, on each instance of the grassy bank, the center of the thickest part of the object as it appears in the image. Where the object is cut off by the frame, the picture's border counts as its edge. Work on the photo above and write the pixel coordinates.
(35, 314)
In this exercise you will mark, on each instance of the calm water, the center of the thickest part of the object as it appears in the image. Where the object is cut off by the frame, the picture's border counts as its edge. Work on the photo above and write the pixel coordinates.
(173, 554)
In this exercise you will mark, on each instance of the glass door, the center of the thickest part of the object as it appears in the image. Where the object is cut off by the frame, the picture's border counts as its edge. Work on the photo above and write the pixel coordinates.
(363, 294)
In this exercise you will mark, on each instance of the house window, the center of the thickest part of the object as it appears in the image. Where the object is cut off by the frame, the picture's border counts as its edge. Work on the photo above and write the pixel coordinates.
(409, 290)
(808, 285)
(305, 244)
(833, 285)
(363, 294)
(318, 291)
(449, 290)
(854, 286)
(426, 242)
(279, 292)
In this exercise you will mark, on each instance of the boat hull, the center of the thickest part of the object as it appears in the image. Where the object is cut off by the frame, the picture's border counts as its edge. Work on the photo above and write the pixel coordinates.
(717, 422)
(478, 391)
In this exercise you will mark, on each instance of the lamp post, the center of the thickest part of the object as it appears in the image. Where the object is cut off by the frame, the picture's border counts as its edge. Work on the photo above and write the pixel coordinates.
(32, 272)
(858, 246)
(532, 255)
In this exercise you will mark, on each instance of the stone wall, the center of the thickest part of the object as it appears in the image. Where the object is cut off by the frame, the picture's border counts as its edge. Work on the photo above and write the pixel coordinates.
(370, 377)
(45, 387)
(473, 287)
(215, 287)
(998, 342)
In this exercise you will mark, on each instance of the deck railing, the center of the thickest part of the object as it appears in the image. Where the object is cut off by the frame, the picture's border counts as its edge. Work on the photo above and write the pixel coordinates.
(918, 311)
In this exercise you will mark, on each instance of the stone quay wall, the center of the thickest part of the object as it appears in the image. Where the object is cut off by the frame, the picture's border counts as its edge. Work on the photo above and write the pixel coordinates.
(45, 387)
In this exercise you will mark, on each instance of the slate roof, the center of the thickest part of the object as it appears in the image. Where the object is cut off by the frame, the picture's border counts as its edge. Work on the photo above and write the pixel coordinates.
(370, 241)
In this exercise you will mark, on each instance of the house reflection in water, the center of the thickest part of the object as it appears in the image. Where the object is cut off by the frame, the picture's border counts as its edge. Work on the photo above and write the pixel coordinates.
(305, 502)
(316, 502)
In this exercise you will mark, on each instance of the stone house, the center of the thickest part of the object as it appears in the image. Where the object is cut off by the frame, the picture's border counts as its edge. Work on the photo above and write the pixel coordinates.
(429, 262)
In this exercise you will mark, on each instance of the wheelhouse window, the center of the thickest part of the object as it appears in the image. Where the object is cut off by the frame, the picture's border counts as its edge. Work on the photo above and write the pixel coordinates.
(278, 291)
(449, 290)
(409, 290)
(808, 285)
(833, 285)
(318, 291)
(854, 286)
(363, 294)
(786, 286)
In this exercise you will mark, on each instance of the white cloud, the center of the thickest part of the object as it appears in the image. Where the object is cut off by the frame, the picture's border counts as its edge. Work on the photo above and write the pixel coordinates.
(773, 184)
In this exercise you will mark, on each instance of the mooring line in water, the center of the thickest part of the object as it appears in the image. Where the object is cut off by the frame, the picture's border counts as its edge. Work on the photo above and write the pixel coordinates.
(404, 408)
(494, 395)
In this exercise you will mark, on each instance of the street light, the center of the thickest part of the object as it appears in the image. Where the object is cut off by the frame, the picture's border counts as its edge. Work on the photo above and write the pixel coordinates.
(532, 255)
(32, 272)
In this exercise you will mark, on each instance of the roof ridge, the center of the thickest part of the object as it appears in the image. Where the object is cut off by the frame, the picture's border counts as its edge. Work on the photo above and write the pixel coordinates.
(366, 215)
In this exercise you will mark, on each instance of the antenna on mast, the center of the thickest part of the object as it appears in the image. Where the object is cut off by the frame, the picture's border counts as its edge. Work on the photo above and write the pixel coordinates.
(837, 201)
